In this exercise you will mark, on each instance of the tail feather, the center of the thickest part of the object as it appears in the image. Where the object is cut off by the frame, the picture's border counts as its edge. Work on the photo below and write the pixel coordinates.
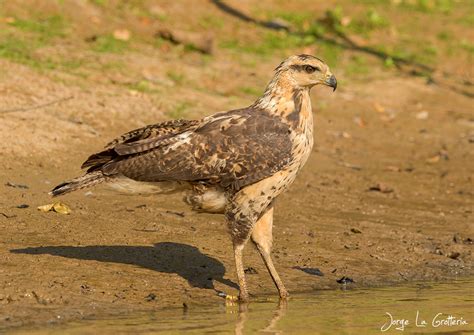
(87, 180)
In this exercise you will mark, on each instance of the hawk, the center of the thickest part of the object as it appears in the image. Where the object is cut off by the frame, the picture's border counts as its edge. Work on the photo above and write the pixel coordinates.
(235, 163)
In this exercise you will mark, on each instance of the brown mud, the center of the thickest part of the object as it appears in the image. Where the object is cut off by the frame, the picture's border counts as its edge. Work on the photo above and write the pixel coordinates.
(387, 195)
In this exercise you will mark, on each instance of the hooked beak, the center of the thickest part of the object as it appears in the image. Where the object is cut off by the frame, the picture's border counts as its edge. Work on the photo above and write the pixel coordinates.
(331, 82)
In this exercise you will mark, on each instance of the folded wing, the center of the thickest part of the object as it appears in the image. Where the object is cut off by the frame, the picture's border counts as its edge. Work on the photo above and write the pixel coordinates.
(231, 149)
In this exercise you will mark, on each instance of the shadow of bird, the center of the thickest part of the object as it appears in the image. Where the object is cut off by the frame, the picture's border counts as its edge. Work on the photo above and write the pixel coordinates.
(168, 257)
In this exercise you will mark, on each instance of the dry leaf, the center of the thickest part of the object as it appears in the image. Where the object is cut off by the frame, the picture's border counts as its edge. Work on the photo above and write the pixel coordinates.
(122, 34)
(359, 121)
(433, 160)
(422, 115)
(393, 168)
(46, 208)
(346, 134)
(61, 208)
(57, 207)
(379, 108)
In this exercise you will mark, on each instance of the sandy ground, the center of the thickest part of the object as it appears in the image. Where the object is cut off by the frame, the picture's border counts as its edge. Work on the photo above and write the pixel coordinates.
(386, 196)
(117, 252)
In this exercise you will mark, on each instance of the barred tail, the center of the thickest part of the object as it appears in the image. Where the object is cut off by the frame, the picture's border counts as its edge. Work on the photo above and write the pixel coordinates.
(87, 180)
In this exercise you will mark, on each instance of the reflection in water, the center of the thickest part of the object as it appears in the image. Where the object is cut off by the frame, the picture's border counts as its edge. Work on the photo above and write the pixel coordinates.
(277, 315)
(358, 311)
(270, 328)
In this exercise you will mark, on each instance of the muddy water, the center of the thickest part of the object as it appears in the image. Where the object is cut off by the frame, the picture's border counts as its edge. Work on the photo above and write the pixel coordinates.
(434, 308)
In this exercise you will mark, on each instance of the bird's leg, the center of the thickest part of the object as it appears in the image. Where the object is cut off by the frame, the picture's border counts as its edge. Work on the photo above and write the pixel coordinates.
(242, 212)
(240, 225)
(238, 249)
(262, 237)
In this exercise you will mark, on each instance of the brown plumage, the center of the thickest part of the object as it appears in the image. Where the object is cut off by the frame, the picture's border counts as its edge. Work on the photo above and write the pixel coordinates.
(235, 163)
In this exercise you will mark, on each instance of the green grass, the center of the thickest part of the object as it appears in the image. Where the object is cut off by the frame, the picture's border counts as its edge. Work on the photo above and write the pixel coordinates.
(251, 91)
(179, 111)
(47, 28)
(329, 53)
(297, 19)
(101, 3)
(271, 42)
(21, 51)
(429, 6)
(211, 22)
(444, 35)
(108, 44)
(178, 78)
(143, 86)
(23, 37)
(467, 20)
(468, 46)
(357, 66)
(372, 20)
(71, 64)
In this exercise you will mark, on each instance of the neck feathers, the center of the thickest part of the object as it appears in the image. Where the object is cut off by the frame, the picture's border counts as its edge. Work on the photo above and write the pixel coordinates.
(284, 98)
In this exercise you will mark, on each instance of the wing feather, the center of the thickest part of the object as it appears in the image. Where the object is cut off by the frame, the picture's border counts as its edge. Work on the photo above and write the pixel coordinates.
(153, 131)
(137, 141)
(232, 149)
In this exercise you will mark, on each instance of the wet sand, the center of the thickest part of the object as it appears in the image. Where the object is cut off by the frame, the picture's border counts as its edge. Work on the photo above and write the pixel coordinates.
(391, 203)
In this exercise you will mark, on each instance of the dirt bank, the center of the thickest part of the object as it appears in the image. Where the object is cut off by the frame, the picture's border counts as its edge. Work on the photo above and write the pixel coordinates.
(387, 195)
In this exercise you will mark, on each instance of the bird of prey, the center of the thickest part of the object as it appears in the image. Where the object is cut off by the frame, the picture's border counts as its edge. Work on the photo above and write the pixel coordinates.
(234, 163)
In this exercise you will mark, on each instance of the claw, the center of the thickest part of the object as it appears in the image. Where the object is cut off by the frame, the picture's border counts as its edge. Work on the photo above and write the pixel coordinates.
(228, 297)
(232, 298)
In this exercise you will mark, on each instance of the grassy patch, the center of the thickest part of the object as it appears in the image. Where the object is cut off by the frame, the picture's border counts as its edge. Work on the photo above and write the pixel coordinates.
(297, 19)
(329, 53)
(468, 20)
(71, 64)
(108, 43)
(100, 3)
(23, 37)
(271, 42)
(22, 51)
(143, 86)
(357, 66)
(211, 22)
(372, 20)
(251, 91)
(179, 111)
(468, 46)
(444, 36)
(178, 78)
(48, 28)
(429, 6)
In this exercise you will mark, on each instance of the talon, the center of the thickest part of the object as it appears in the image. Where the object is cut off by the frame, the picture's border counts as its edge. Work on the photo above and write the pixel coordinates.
(284, 295)
(231, 297)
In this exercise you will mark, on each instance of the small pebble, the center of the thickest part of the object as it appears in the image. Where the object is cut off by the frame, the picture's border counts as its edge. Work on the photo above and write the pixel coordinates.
(311, 271)
(150, 297)
(250, 270)
(454, 255)
(345, 280)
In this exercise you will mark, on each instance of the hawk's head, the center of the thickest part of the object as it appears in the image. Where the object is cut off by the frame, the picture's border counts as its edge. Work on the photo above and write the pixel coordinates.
(307, 71)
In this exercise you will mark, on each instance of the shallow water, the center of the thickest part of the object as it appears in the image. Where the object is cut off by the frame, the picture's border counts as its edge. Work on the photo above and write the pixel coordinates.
(357, 311)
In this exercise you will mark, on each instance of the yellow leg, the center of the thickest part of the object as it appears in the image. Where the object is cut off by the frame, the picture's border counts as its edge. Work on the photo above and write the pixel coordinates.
(262, 237)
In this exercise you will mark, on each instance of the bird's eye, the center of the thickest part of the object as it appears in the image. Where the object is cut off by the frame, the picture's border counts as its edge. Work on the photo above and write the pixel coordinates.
(310, 69)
